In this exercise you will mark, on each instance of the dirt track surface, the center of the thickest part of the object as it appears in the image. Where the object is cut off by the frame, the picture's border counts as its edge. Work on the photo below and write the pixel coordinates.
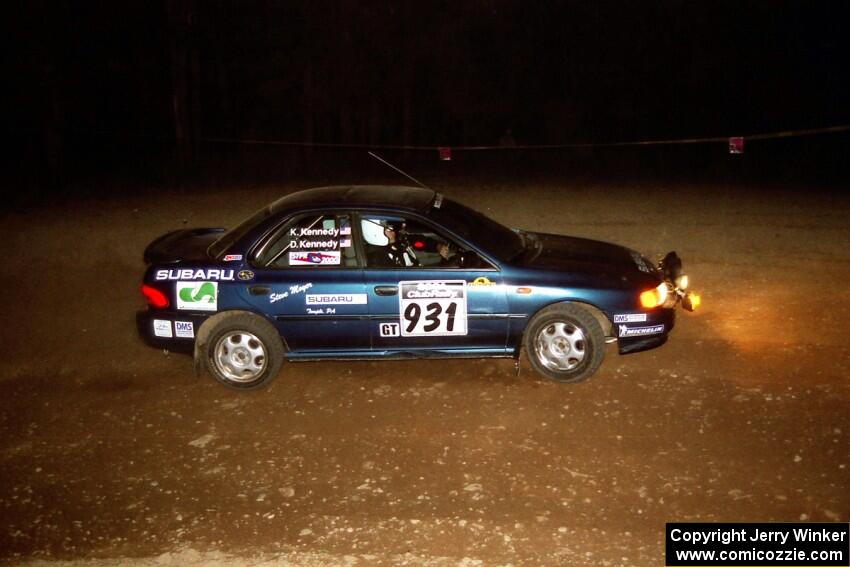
(111, 450)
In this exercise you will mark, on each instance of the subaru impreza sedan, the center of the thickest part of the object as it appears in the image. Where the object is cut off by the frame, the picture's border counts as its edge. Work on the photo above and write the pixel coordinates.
(387, 272)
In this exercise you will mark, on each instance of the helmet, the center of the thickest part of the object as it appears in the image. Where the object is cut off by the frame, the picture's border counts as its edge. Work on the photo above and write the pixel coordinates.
(373, 232)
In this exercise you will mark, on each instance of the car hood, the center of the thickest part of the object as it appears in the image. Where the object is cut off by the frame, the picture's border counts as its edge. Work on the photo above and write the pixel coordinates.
(583, 255)
(188, 244)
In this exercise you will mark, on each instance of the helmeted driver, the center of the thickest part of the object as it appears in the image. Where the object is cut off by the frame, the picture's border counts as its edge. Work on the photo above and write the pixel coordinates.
(387, 244)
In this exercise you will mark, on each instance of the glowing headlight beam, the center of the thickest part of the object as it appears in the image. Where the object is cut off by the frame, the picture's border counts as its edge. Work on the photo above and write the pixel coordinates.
(654, 297)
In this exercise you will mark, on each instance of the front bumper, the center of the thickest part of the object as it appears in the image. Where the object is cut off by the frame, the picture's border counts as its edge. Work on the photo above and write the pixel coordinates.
(635, 336)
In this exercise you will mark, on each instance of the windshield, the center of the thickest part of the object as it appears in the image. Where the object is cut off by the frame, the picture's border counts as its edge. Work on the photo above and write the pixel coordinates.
(231, 236)
(498, 240)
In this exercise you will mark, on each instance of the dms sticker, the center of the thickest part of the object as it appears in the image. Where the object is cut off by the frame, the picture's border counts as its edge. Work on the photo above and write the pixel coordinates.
(187, 274)
(630, 318)
(197, 296)
(432, 308)
(184, 329)
(232, 257)
(162, 328)
(336, 299)
(314, 258)
(640, 331)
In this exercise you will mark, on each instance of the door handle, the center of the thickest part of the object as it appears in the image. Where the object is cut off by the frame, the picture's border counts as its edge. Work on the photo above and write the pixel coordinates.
(258, 289)
(386, 289)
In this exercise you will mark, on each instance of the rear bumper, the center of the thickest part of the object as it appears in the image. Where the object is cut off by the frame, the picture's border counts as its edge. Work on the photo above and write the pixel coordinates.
(154, 328)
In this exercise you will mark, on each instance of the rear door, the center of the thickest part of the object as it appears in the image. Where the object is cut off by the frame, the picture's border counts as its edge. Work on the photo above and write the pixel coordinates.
(306, 276)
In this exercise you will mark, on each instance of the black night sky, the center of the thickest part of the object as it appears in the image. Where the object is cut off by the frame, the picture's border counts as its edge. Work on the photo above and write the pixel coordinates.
(118, 85)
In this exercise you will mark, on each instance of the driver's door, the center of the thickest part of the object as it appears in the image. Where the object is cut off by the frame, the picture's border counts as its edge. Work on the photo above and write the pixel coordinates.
(434, 304)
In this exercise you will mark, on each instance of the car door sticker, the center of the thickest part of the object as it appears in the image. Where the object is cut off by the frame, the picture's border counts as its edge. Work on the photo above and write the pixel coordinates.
(336, 299)
(388, 329)
(432, 308)
(481, 282)
(293, 290)
(314, 258)
(197, 296)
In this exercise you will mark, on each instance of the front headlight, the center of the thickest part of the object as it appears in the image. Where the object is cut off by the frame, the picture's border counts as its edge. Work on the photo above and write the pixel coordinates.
(654, 297)
(682, 282)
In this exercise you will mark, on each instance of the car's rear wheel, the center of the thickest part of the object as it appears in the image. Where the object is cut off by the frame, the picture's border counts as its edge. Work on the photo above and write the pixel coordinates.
(565, 343)
(241, 350)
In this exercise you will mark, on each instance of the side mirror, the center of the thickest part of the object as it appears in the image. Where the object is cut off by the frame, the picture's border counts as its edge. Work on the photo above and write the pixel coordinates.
(671, 266)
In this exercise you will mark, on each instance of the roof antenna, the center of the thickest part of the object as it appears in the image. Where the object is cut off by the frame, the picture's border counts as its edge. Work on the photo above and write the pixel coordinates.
(385, 162)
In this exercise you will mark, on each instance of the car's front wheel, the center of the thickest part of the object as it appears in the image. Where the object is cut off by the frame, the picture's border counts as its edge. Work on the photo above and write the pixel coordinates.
(241, 350)
(565, 343)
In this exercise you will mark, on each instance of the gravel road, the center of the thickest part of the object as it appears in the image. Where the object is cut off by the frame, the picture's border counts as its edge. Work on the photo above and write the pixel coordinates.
(114, 453)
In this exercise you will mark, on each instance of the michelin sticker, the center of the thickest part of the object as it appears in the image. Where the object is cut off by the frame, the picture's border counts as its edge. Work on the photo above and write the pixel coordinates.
(640, 331)
(336, 299)
(314, 258)
(432, 308)
(184, 329)
(162, 328)
(197, 296)
(200, 274)
(630, 318)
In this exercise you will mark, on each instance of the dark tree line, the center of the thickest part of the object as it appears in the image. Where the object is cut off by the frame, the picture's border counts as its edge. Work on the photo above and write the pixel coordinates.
(417, 73)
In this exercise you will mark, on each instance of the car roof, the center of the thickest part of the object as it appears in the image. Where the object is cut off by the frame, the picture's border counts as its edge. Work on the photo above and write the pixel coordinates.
(399, 196)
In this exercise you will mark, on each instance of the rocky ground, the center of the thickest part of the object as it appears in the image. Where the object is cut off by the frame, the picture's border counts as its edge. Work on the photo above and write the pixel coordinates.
(112, 452)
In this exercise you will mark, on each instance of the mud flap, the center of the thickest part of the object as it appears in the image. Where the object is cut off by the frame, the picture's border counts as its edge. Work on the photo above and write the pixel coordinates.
(201, 339)
(197, 365)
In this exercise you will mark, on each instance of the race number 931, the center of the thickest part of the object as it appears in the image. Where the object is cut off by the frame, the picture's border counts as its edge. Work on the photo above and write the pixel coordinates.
(432, 308)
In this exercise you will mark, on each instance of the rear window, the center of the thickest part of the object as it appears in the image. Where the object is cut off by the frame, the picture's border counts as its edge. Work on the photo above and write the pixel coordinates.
(311, 240)
(230, 237)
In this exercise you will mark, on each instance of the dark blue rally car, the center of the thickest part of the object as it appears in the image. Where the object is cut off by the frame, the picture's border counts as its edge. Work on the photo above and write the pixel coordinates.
(366, 272)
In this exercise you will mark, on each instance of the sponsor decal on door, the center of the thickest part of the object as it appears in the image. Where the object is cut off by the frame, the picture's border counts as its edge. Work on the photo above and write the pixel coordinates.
(432, 308)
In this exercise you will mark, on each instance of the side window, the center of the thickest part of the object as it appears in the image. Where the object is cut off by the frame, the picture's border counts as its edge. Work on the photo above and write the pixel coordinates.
(397, 242)
(311, 240)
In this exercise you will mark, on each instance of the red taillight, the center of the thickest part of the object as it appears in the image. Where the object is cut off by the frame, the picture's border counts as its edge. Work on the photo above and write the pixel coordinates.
(419, 245)
(154, 297)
